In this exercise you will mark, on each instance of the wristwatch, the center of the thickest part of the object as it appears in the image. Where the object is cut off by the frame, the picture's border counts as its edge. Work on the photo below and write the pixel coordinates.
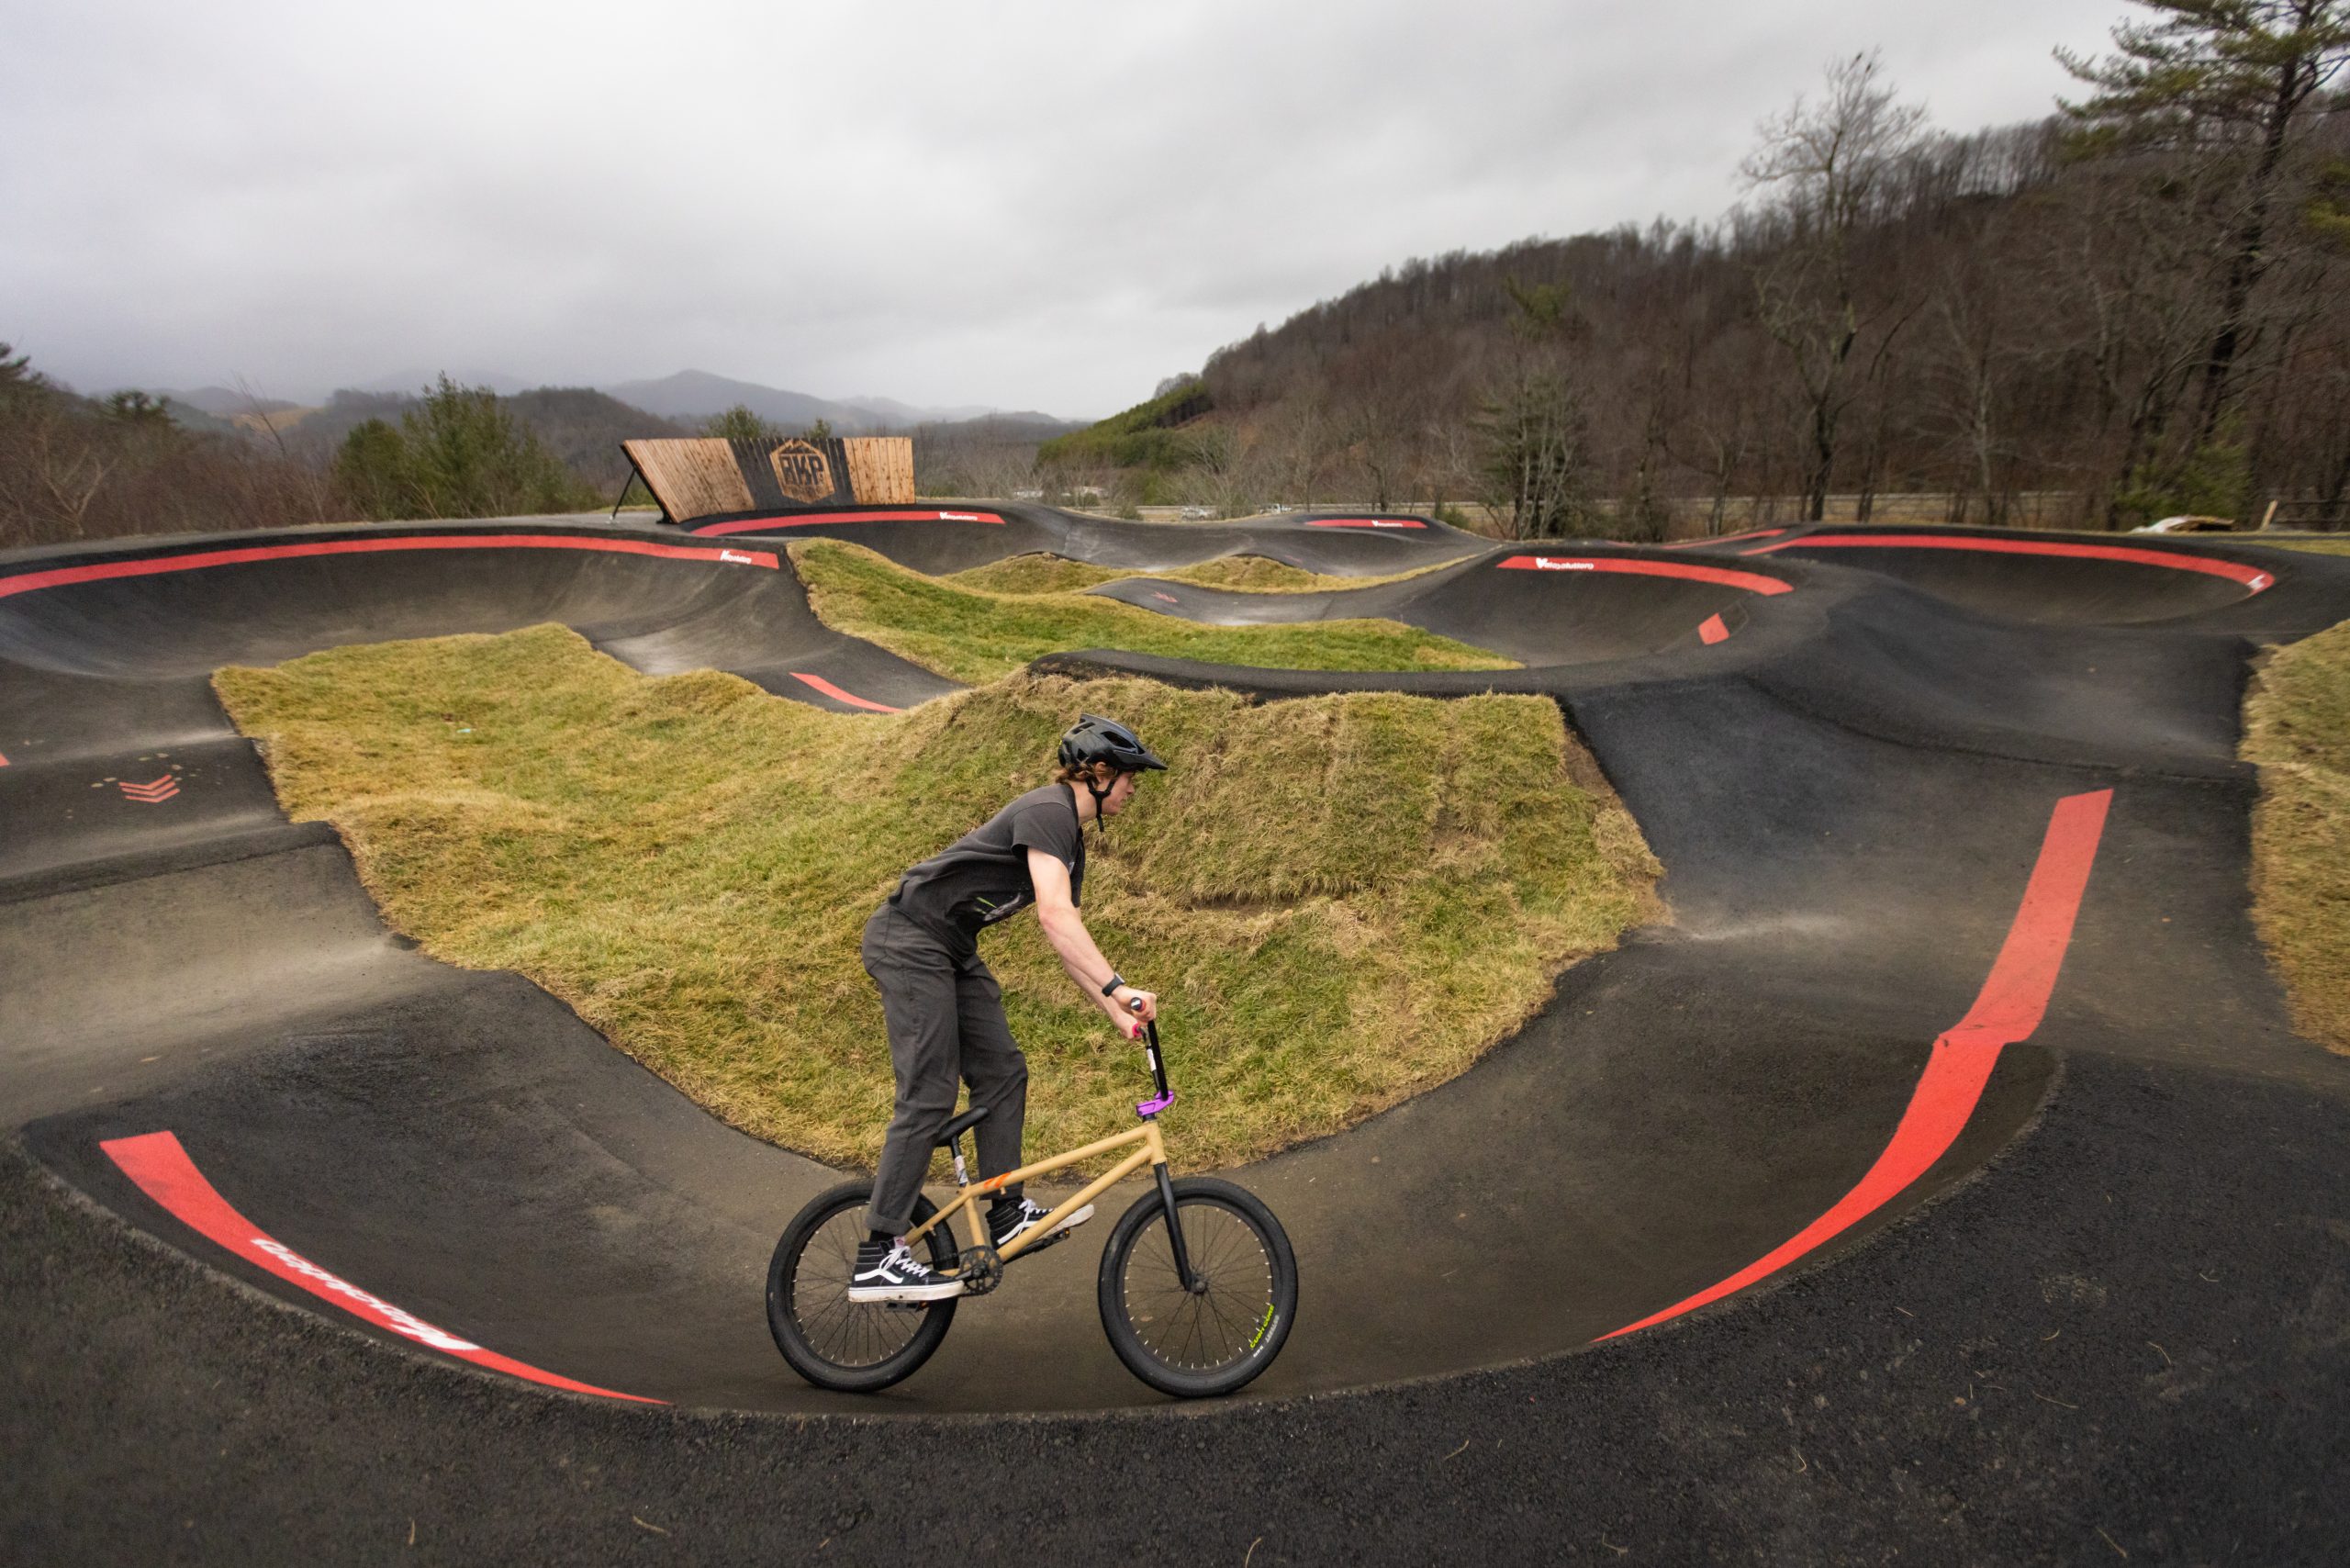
(1117, 980)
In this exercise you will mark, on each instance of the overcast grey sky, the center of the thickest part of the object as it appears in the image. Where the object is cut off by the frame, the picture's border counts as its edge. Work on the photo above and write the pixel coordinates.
(1029, 203)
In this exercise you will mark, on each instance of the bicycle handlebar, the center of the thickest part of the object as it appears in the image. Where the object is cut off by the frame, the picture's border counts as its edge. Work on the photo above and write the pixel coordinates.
(1165, 1096)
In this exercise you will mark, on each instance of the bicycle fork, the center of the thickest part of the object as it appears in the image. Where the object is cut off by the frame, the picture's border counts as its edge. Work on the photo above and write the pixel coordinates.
(1175, 1233)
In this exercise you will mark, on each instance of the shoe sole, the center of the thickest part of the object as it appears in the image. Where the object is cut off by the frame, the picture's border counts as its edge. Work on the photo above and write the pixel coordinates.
(870, 1295)
(1080, 1217)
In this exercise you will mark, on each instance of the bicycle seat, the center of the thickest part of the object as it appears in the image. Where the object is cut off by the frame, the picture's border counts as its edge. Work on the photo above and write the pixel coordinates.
(961, 1124)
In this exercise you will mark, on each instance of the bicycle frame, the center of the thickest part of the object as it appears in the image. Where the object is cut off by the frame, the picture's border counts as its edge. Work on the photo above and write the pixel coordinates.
(967, 1201)
(1153, 1153)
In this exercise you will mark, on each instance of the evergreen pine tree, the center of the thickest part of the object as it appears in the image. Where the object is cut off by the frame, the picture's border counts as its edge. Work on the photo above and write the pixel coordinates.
(2234, 86)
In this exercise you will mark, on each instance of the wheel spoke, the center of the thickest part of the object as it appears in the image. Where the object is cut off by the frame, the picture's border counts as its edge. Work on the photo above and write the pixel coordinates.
(1210, 1331)
(844, 1332)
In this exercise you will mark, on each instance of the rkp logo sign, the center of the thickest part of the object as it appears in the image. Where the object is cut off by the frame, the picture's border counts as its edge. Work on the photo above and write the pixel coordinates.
(803, 471)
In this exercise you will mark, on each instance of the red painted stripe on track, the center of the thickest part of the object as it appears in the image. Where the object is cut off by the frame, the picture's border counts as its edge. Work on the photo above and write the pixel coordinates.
(810, 520)
(60, 576)
(1366, 522)
(1726, 576)
(2012, 1001)
(837, 695)
(1725, 539)
(166, 1173)
(1711, 630)
(2253, 577)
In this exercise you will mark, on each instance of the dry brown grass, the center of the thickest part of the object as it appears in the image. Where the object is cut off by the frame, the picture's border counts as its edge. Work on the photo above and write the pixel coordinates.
(1343, 901)
(1042, 572)
(2297, 727)
(976, 635)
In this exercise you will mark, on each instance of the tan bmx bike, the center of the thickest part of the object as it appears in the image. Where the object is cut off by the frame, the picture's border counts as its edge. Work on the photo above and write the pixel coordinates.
(1198, 1287)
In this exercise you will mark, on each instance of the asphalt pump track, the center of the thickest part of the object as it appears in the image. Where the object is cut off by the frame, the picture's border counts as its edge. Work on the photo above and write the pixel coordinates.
(1956, 853)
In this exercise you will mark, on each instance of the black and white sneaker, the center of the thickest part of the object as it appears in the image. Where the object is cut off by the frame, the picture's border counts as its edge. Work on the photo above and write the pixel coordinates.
(891, 1273)
(1006, 1221)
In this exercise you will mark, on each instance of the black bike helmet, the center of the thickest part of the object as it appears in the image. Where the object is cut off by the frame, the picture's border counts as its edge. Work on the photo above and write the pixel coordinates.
(1095, 739)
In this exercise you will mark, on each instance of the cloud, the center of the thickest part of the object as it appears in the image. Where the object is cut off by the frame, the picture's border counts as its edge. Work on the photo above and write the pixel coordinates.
(1031, 204)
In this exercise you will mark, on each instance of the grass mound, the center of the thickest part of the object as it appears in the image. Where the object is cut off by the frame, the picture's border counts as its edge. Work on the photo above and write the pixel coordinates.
(2297, 727)
(1044, 573)
(977, 636)
(1038, 572)
(1343, 899)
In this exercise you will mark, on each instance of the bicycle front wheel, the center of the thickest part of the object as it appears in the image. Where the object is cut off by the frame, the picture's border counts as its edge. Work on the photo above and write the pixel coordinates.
(1197, 1342)
(834, 1342)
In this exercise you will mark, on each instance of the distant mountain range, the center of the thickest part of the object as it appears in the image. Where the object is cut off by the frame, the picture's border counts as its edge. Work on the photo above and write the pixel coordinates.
(222, 402)
(412, 382)
(687, 397)
(697, 395)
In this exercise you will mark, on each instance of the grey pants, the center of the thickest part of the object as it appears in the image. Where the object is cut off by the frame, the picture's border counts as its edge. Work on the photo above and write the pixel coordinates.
(946, 1017)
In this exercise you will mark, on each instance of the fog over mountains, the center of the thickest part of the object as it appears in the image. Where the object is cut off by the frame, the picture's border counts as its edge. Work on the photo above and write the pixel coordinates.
(697, 394)
(687, 396)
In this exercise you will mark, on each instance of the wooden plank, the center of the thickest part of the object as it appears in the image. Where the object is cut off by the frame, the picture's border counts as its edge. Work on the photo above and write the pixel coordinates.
(881, 469)
(691, 477)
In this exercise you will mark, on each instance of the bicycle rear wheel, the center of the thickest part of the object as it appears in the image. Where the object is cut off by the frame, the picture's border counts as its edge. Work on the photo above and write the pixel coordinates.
(834, 1342)
(1199, 1343)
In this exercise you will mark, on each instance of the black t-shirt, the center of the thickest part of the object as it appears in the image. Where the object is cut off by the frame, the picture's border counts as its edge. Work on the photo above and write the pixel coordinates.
(982, 877)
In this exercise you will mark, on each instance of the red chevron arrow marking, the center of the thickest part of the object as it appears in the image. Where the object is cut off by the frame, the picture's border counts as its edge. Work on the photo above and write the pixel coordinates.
(153, 793)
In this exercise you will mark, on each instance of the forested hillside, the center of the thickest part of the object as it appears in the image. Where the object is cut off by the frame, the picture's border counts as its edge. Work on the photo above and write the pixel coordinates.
(582, 427)
(74, 468)
(2140, 307)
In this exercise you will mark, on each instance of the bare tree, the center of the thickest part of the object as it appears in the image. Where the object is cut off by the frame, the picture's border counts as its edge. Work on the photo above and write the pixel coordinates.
(1830, 166)
(1301, 446)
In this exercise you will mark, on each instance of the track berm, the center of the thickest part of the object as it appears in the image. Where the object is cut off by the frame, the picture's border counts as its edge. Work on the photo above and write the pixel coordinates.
(1950, 1142)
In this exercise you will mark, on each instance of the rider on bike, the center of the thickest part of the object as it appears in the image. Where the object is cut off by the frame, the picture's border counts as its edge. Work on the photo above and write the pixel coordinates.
(945, 1011)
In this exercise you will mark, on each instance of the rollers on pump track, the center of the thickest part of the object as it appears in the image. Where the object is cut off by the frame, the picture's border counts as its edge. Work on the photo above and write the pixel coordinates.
(1959, 1025)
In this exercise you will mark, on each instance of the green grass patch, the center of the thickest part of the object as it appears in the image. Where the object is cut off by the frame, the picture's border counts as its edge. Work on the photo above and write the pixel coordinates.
(2321, 547)
(1141, 437)
(975, 637)
(2297, 727)
(1342, 901)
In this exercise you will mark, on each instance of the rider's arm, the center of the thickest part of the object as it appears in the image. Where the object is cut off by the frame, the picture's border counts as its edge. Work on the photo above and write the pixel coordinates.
(1065, 929)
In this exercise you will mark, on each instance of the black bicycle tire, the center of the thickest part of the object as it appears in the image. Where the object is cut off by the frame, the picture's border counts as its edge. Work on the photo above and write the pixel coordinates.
(783, 1323)
(1127, 1342)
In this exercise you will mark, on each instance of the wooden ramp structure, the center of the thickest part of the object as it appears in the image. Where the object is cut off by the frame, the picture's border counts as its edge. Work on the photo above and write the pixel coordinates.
(696, 478)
